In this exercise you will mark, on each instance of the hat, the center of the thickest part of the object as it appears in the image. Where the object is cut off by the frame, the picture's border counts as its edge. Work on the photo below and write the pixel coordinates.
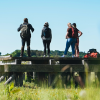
(46, 24)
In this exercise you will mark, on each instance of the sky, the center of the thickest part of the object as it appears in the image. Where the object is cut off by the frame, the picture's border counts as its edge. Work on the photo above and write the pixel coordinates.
(85, 13)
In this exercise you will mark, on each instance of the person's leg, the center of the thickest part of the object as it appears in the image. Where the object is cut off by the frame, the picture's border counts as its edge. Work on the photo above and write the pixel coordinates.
(78, 47)
(68, 43)
(48, 46)
(28, 47)
(73, 46)
(22, 48)
(44, 43)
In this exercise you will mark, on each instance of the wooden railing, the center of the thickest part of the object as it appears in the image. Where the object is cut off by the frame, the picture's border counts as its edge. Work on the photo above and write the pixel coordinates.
(42, 65)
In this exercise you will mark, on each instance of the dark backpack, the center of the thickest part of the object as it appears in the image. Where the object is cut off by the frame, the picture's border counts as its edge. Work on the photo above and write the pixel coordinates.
(25, 32)
(46, 32)
(74, 32)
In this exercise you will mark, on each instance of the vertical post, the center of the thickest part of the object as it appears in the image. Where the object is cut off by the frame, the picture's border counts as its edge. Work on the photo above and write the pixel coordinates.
(20, 74)
(21, 78)
(51, 75)
(16, 80)
(98, 75)
(29, 74)
(87, 73)
(2, 77)
(0, 74)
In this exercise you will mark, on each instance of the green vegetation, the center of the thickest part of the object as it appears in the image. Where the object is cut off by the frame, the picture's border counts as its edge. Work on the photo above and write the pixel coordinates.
(10, 92)
(31, 91)
(39, 53)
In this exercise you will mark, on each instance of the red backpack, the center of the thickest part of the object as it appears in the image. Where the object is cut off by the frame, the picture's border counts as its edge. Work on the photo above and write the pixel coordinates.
(92, 55)
(74, 32)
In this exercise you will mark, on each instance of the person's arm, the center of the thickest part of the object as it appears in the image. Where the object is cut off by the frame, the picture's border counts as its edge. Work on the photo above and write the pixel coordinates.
(42, 33)
(80, 33)
(19, 28)
(32, 29)
(66, 35)
(50, 34)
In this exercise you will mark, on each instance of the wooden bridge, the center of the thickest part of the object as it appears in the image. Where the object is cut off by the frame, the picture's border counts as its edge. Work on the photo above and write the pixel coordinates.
(50, 65)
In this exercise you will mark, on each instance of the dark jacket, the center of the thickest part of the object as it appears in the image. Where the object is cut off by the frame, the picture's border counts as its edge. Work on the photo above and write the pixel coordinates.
(29, 26)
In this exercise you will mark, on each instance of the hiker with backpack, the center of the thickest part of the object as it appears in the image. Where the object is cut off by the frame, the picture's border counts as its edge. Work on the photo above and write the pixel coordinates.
(46, 36)
(25, 36)
(71, 36)
(79, 33)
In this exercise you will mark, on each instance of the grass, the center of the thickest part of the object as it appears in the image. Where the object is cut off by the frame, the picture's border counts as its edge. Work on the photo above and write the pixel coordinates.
(92, 92)
(30, 91)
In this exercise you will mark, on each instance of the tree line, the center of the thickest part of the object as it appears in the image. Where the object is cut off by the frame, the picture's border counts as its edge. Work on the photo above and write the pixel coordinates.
(39, 53)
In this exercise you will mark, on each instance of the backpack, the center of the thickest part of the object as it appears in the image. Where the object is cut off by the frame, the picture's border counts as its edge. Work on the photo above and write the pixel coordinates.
(91, 53)
(25, 32)
(46, 32)
(74, 32)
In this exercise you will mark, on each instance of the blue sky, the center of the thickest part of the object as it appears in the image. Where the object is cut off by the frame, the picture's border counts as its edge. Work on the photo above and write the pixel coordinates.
(85, 13)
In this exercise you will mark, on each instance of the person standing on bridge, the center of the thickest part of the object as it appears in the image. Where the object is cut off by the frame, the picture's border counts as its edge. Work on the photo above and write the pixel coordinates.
(79, 33)
(46, 36)
(70, 41)
(71, 36)
(25, 36)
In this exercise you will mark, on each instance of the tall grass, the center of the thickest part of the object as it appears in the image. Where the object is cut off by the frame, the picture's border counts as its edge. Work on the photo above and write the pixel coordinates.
(34, 92)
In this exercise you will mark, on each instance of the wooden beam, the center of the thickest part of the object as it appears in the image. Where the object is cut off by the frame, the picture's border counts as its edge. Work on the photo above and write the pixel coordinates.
(94, 67)
(10, 79)
(43, 68)
(1, 68)
(2, 77)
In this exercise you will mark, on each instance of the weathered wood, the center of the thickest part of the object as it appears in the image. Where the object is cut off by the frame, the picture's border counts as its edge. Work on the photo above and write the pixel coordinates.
(10, 79)
(25, 58)
(16, 80)
(21, 79)
(98, 75)
(2, 77)
(92, 60)
(51, 79)
(17, 61)
(94, 67)
(68, 59)
(1, 68)
(42, 65)
(30, 74)
(42, 68)
(0, 74)
(20, 74)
